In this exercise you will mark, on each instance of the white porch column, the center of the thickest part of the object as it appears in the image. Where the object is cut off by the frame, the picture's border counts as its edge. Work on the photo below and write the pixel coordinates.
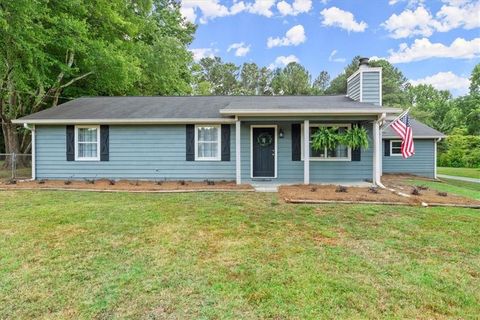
(376, 152)
(306, 152)
(238, 160)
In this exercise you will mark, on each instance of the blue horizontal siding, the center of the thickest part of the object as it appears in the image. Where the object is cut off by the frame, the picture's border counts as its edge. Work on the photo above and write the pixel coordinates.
(289, 171)
(353, 88)
(422, 163)
(371, 87)
(136, 152)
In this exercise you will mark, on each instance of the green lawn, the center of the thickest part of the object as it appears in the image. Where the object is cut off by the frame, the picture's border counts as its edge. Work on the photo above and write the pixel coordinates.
(461, 188)
(460, 172)
(232, 256)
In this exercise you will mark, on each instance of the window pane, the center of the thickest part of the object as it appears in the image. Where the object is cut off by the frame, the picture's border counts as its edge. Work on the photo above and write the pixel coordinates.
(340, 151)
(207, 134)
(207, 150)
(87, 150)
(87, 135)
(396, 144)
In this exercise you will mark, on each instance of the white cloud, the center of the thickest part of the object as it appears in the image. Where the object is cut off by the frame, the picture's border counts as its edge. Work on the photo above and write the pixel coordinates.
(455, 14)
(336, 17)
(410, 23)
(262, 7)
(423, 49)
(282, 61)
(332, 55)
(298, 6)
(189, 14)
(445, 81)
(293, 37)
(200, 53)
(240, 49)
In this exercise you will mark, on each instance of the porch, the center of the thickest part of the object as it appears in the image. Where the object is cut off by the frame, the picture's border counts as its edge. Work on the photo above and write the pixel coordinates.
(270, 152)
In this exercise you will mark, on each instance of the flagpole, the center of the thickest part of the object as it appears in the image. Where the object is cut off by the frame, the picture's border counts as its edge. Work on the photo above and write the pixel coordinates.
(401, 115)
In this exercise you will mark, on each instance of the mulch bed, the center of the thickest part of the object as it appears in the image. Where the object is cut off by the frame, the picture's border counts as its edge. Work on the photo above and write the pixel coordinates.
(128, 185)
(328, 193)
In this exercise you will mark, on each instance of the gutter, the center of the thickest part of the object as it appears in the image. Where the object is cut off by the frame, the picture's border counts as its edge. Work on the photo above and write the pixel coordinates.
(32, 130)
(126, 121)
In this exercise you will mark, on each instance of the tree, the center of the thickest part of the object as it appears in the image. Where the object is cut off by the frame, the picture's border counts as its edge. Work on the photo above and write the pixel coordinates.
(320, 84)
(221, 76)
(475, 80)
(432, 107)
(55, 50)
(339, 84)
(294, 79)
(250, 78)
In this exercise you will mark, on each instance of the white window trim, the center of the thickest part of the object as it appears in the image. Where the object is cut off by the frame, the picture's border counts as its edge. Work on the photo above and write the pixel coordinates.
(219, 142)
(391, 148)
(97, 158)
(349, 150)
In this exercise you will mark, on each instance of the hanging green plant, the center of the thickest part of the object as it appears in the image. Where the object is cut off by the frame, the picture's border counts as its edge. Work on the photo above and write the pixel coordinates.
(355, 138)
(325, 138)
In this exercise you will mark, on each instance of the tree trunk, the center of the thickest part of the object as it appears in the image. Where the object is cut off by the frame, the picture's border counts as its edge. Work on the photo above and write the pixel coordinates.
(13, 138)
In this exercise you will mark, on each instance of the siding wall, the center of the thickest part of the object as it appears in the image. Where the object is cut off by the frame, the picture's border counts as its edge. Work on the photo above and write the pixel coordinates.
(136, 152)
(422, 163)
(371, 87)
(289, 171)
(158, 152)
(353, 88)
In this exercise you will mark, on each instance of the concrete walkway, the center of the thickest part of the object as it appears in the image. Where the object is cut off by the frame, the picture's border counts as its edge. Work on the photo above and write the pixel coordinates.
(458, 178)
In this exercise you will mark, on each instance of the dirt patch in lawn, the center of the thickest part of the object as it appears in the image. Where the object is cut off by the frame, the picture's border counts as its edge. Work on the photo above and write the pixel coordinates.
(399, 183)
(127, 185)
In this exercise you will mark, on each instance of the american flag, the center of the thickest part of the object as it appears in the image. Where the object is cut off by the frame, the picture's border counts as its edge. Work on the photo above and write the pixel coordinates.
(402, 127)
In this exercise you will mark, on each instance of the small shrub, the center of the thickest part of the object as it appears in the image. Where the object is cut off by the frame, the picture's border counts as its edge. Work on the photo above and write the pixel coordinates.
(158, 183)
(182, 182)
(11, 181)
(442, 194)
(210, 182)
(373, 190)
(341, 189)
(89, 181)
(112, 182)
(415, 191)
(422, 187)
(313, 189)
(41, 181)
(67, 182)
(136, 183)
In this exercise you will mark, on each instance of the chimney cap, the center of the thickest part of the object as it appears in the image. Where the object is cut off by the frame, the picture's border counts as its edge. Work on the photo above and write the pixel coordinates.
(363, 61)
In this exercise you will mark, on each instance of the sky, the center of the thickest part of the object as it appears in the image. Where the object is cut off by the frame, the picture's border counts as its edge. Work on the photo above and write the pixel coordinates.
(434, 42)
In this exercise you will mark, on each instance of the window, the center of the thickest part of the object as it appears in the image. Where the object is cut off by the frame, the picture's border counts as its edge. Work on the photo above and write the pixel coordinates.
(207, 142)
(87, 143)
(340, 153)
(395, 147)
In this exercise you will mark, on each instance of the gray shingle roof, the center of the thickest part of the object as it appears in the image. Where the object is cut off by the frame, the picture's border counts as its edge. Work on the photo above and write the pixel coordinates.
(420, 130)
(186, 107)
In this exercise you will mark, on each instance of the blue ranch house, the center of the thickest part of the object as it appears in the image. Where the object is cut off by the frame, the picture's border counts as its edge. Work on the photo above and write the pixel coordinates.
(241, 138)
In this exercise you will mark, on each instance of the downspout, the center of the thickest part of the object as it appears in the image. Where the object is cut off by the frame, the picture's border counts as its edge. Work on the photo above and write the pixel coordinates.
(435, 159)
(379, 122)
(32, 129)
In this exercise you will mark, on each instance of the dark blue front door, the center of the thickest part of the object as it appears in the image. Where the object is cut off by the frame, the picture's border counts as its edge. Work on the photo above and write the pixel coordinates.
(263, 140)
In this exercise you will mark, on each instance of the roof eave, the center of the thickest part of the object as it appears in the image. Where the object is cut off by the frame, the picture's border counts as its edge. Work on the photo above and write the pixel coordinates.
(308, 112)
(125, 121)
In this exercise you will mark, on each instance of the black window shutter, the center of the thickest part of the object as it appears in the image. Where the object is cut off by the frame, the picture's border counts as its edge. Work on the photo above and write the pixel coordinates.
(296, 142)
(190, 142)
(70, 143)
(386, 148)
(104, 142)
(357, 152)
(225, 142)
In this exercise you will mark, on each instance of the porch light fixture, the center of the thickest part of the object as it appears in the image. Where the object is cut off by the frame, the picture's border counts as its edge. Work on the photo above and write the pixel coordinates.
(281, 134)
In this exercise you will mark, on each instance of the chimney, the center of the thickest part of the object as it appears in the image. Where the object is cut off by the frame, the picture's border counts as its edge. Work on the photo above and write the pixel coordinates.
(365, 85)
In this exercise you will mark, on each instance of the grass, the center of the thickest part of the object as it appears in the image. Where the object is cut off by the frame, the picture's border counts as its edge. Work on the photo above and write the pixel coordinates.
(232, 256)
(461, 188)
(460, 172)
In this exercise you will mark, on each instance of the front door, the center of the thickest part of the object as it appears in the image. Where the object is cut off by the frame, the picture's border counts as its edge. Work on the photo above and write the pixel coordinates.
(263, 152)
